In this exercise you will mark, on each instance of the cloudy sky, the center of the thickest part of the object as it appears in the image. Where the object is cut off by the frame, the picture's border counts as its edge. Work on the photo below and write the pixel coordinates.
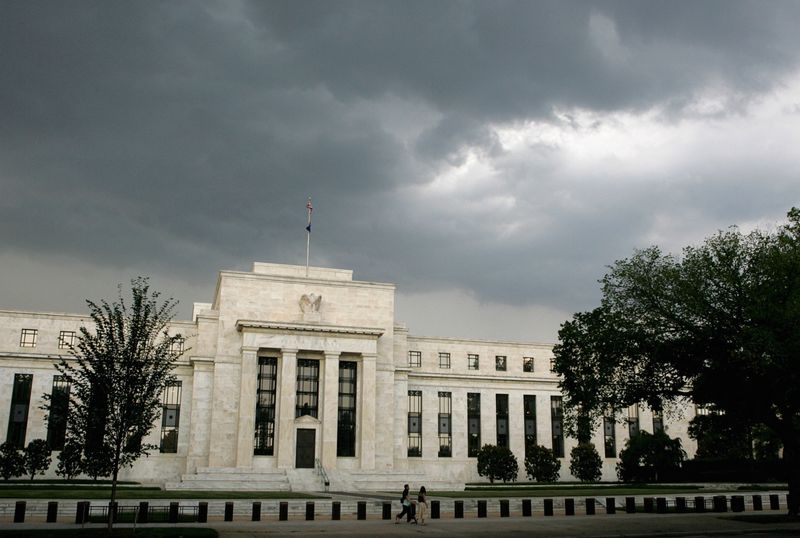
(490, 158)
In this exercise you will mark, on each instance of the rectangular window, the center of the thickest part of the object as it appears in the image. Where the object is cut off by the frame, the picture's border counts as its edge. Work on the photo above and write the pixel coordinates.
(445, 427)
(529, 408)
(557, 423)
(610, 435)
(59, 410)
(658, 421)
(27, 338)
(415, 359)
(307, 388)
(66, 339)
(414, 423)
(501, 406)
(170, 417)
(444, 360)
(633, 421)
(473, 362)
(18, 416)
(177, 345)
(527, 364)
(473, 423)
(500, 363)
(264, 441)
(346, 429)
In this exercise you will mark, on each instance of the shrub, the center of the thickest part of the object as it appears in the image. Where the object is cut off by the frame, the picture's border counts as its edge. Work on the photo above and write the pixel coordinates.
(37, 457)
(585, 463)
(497, 462)
(12, 463)
(541, 465)
(649, 458)
(70, 460)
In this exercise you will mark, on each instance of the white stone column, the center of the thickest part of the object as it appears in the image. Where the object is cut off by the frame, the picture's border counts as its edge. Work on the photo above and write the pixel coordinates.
(516, 426)
(200, 416)
(287, 393)
(368, 409)
(330, 410)
(247, 408)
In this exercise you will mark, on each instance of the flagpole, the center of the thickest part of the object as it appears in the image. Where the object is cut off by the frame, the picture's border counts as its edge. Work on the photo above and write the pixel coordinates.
(308, 235)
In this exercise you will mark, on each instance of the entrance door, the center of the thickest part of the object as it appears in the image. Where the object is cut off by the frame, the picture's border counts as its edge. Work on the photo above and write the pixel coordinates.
(304, 452)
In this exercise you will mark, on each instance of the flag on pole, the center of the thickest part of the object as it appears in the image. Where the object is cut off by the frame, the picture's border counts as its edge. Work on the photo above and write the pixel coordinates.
(310, 209)
(308, 236)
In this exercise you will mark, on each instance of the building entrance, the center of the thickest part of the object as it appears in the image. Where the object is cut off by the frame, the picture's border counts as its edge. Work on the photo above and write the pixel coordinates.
(305, 449)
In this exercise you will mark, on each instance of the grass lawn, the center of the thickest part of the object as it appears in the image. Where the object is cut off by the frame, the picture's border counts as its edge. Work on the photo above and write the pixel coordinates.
(103, 492)
(154, 532)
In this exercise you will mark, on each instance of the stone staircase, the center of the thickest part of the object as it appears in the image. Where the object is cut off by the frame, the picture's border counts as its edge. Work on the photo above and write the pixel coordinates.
(232, 479)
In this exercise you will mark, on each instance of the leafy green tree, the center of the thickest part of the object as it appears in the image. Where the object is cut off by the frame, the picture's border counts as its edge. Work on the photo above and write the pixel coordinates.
(650, 457)
(117, 372)
(721, 437)
(70, 460)
(585, 463)
(497, 462)
(36, 457)
(717, 325)
(541, 464)
(12, 462)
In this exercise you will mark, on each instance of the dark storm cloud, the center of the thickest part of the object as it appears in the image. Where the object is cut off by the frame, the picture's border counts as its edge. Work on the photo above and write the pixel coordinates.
(180, 138)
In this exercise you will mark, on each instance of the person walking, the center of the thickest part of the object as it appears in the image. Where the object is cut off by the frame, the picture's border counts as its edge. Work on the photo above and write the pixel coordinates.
(405, 502)
(422, 502)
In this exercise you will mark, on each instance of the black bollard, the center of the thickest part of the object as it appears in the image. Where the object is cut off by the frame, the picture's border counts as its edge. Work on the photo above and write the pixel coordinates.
(504, 512)
(548, 507)
(82, 512)
(387, 510)
(774, 503)
(112, 511)
(143, 515)
(481, 508)
(720, 503)
(648, 505)
(611, 505)
(256, 511)
(283, 511)
(680, 504)
(309, 511)
(202, 512)
(757, 503)
(699, 504)
(52, 512)
(19, 512)
(526, 508)
(435, 510)
(590, 506)
(661, 505)
(569, 507)
(737, 503)
(458, 509)
(336, 511)
(174, 509)
(630, 505)
(361, 512)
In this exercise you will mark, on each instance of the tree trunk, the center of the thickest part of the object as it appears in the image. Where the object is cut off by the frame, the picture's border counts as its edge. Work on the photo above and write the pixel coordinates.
(114, 475)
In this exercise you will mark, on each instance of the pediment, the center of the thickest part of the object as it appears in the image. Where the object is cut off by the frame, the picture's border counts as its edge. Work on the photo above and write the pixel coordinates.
(307, 420)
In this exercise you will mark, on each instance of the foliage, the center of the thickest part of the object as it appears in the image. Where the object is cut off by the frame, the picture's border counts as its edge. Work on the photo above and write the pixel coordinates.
(70, 460)
(650, 457)
(12, 462)
(497, 462)
(37, 457)
(117, 373)
(585, 463)
(717, 326)
(541, 464)
(721, 437)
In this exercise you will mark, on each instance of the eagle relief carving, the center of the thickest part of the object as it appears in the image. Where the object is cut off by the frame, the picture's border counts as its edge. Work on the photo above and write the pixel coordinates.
(309, 305)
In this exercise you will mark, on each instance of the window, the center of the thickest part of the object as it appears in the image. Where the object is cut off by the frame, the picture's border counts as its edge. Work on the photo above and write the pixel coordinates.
(658, 421)
(557, 422)
(170, 417)
(633, 421)
(473, 424)
(176, 346)
(609, 435)
(472, 362)
(18, 416)
(444, 360)
(500, 363)
(27, 337)
(501, 406)
(307, 388)
(346, 429)
(445, 427)
(264, 442)
(529, 408)
(66, 339)
(527, 364)
(59, 410)
(415, 359)
(414, 423)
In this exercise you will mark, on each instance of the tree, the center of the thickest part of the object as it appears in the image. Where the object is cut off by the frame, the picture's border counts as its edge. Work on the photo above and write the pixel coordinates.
(541, 464)
(585, 463)
(12, 463)
(716, 326)
(650, 457)
(721, 436)
(497, 462)
(70, 460)
(118, 370)
(37, 457)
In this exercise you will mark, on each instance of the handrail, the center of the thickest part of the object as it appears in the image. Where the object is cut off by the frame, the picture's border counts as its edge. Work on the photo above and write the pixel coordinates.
(321, 471)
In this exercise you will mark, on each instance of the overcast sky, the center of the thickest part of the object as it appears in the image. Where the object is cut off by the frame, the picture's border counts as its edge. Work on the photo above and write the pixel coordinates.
(490, 158)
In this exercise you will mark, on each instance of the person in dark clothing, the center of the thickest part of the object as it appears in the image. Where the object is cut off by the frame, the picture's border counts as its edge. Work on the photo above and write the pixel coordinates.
(405, 502)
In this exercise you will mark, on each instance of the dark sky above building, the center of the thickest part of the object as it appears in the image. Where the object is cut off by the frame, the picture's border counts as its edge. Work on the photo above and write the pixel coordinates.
(490, 158)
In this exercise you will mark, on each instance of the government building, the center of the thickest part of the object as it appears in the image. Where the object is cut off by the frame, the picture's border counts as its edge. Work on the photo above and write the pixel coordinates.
(302, 379)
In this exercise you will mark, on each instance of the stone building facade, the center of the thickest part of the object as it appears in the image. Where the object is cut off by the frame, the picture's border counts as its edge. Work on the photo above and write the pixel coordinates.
(291, 381)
